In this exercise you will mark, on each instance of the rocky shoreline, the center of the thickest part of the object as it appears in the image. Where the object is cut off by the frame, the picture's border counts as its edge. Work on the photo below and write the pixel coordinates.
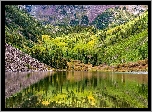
(17, 61)
(139, 66)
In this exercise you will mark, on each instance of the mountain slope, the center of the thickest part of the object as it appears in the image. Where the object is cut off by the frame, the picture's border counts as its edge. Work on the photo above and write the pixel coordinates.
(16, 61)
(112, 17)
(82, 14)
(55, 45)
(104, 46)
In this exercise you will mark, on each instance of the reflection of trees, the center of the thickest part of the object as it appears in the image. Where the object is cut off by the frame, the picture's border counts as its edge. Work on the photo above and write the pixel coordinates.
(99, 85)
(144, 79)
(123, 78)
(140, 78)
(78, 75)
(57, 80)
(95, 82)
(15, 82)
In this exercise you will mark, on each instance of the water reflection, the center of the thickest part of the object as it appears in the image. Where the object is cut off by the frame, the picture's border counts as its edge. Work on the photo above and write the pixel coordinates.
(16, 81)
(78, 75)
(80, 89)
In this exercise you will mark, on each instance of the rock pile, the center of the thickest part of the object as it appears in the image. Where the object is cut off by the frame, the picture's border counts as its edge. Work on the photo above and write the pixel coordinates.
(17, 61)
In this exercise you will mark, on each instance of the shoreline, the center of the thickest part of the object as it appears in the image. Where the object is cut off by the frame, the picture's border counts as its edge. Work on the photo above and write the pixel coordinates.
(56, 70)
(77, 65)
(139, 66)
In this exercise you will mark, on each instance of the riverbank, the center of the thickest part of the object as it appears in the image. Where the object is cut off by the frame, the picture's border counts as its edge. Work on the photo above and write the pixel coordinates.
(139, 66)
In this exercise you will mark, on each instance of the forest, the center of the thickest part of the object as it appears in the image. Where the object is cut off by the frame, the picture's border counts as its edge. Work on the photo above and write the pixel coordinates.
(79, 63)
(57, 45)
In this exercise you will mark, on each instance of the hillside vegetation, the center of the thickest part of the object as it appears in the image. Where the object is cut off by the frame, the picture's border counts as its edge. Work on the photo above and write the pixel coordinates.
(55, 45)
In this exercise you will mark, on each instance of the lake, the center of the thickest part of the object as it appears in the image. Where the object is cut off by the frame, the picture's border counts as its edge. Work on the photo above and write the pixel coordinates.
(76, 89)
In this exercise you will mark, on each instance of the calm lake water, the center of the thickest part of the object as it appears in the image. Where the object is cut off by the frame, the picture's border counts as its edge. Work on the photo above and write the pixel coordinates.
(76, 89)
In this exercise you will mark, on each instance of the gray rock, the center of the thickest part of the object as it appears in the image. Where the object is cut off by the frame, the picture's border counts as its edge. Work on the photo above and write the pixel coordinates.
(17, 61)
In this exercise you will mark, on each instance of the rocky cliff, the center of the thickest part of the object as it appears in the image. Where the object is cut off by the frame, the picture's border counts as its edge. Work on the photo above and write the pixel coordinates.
(17, 61)
(59, 14)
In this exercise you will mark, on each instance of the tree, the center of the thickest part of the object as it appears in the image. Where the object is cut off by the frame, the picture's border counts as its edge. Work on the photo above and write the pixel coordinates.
(84, 20)
(74, 22)
(102, 21)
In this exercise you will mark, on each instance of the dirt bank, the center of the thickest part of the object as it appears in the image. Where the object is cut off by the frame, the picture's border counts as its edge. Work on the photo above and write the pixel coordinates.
(141, 65)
